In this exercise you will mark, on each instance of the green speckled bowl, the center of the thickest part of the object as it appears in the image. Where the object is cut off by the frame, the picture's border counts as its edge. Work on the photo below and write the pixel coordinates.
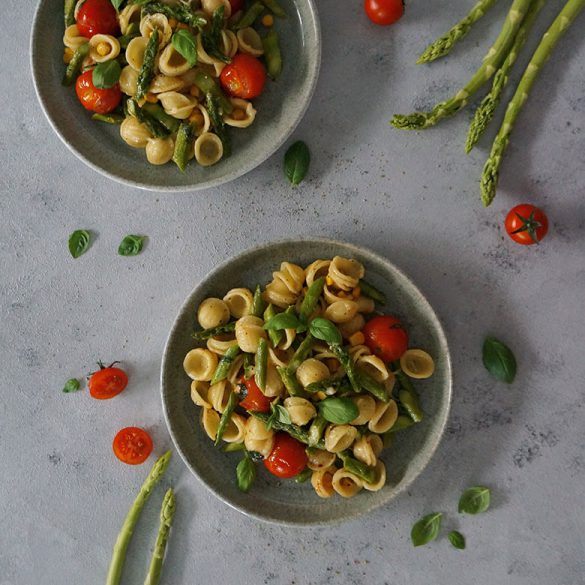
(280, 108)
(281, 501)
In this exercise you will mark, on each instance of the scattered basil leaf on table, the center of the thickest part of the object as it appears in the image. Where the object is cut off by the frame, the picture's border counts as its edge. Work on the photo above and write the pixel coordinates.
(474, 500)
(186, 45)
(325, 330)
(131, 245)
(426, 529)
(457, 539)
(245, 474)
(79, 243)
(107, 74)
(499, 360)
(338, 410)
(283, 321)
(296, 162)
(71, 385)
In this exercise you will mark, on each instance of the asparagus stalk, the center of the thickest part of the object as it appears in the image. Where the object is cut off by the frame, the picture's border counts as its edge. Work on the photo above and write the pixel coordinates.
(147, 70)
(489, 178)
(444, 44)
(490, 102)
(213, 331)
(490, 65)
(125, 535)
(167, 513)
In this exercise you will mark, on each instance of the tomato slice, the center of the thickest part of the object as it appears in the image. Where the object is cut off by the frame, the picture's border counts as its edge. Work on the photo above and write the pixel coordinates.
(107, 383)
(244, 77)
(287, 458)
(132, 445)
(97, 17)
(94, 99)
(386, 337)
(254, 399)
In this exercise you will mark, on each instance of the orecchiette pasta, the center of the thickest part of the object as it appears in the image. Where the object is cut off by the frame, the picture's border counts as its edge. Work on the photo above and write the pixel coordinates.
(135, 52)
(72, 38)
(317, 269)
(235, 430)
(159, 151)
(257, 437)
(365, 305)
(128, 80)
(249, 41)
(229, 43)
(233, 374)
(355, 324)
(208, 149)
(384, 417)
(200, 364)
(318, 459)
(242, 115)
(286, 285)
(129, 14)
(341, 311)
(300, 410)
(213, 312)
(312, 370)
(367, 448)
(134, 133)
(172, 63)
(249, 331)
(417, 364)
(164, 84)
(159, 22)
(209, 6)
(219, 394)
(176, 104)
(239, 301)
(322, 482)
(219, 345)
(374, 366)
(200, 120)
(339, 437)
(274, 385)
(345, 272)
(103, 48)
(199, 390)
(210, 422)
(380, 481)
(346, 484)
(366, 407)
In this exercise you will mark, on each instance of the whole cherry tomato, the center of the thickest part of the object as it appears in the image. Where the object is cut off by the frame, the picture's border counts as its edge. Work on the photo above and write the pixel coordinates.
(132, 445)
(97, 17)
(526, 224)
(254, 399)
(287, 458)
(97, 100)
(107, 382)
(386, 337)
(244, 77)
(384, 12)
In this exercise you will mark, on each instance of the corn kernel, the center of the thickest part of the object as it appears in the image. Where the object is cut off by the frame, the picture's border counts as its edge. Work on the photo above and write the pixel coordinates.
(194, 91)
(321, 395)
(173, 22)
(357, 338)
(182, 26)
(328, 281)
(267, 20)
(68, 55)
(238, 114)
(196, 118)
(103, 49)
(356, 292)
(151, 98)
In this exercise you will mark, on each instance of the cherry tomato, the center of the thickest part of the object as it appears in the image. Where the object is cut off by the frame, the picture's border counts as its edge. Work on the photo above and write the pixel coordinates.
(244, 77)
(384, 12)
(97, 100)
(97, 17)
(107, 383)
(236, 5)
(254, 400)
(287, 458)
(526, 224)
(132, 445)
(386, 337)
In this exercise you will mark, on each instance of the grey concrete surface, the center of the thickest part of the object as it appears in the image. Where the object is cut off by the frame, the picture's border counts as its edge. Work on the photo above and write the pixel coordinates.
(412, 197)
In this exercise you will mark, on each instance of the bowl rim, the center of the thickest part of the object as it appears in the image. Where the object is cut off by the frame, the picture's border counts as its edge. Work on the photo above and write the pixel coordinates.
(315, 67)
(447, 401)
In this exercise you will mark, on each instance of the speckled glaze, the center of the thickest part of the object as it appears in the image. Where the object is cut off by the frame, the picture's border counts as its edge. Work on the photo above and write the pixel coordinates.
(280, 108)
(286, 502)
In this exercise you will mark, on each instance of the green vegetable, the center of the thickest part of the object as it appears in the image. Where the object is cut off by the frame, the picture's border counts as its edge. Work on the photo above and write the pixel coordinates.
(296, 162)
(457, 539)
(132, 32)
(158, 113)
(316, 430)
(369, 290)
(258, 304)
(363, 471)
(301, 354)
(304, 475)
(123, 540)
(248, 366)
(372, 386)
(106, 74)
(499, 360)
(275, 8)
(154, 126)
(485, 112)
(223, 367)
(181, 12)
(113, 119)
(279, 414)
(276, 335)
(444, 44)
(295, 431)
(250, 16)
(261, 364)
(311, 299)
(339, 411)
(245, 473)
(338, 384)
(186, 45)
(131, 245)
(325, 330)
(402, 422)
(214, 110)
(233, 447)
(291, 383)
(225, 417)
(147, 70)
(426, 529)
(474, 500)
(408, 397)
(348, 365)
(79, 242)
(116, 4)
(211, 39)
(183, 145)
(75, 64)
(491, 170)
(69, 12)
(272, 55)
(206, 334)
(72, 385)
(208, 85)
(167, 514)
(283, 321)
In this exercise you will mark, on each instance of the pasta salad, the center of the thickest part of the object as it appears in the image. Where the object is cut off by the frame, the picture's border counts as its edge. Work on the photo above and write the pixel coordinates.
(174, 74)
(306, 376)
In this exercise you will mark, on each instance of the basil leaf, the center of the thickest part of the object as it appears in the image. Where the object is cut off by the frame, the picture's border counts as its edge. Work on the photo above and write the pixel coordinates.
(231, 447)
(116, 4)
(325, 330)
(499, 360)
(186, 45)
(282, 414)
(457, 539)
(245, 474)
(474, 500)
(107, 74)
(131, 245)
(426, 529)
(78, 243)
(296, 162)
(283, 321)
(71, 385)
(338, 410)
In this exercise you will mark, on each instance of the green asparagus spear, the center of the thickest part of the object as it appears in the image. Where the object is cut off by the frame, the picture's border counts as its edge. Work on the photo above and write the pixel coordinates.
(69, 12)
(249, 17)
(261, 364)
(490, 65)
(485, 112)
(181, 12)
(369, 290)
(233, 447)
(316, 430)
(223, 367)
(147, 70)
(183, 145)
(272, 54)
(408, 397)
(75, 64)
(402, 422)
(108, 118)
(158, 113)
(208, 85)
(248, 366)
(293, 430)
(153, 125)
(348, 365)
(489, 179)
(304, 475)
(258, 304)
(214, 331)
(311, 299)
(363, 471)
(275, 8)
(372, 386)
(291, 383)
(167, 513)
(132, 32)
(444, 44)
(276, 335)
(211, 39)
(301, 354)
(225, 417)
(213, 109)
(123, 540)
(339, 385)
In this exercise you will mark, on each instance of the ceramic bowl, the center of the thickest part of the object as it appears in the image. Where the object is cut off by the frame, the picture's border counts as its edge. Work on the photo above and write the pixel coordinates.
(284, 501)
(280, 108)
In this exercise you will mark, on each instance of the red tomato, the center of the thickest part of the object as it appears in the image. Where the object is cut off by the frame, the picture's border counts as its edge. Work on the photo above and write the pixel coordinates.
(384, 11)
(244, 77)
(97, 100)
(97, 16)
(386, 337)
(107, 383)
(287, 458)
(236, 5)
(132, 445)
(254, 400)
(526, 224)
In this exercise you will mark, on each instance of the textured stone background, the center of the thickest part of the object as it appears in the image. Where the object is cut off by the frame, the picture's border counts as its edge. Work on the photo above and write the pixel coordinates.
(413, 198)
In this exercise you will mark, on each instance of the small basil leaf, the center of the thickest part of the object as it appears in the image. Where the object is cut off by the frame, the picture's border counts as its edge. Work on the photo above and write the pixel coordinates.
(186, 45)
(474, 500)
(325, 330)
(426, 529)
(338, 410)
(457, 539)
(282, 414)
(78, 243)
(245, 474)
(116, 4)
(231, 447)
(296, 162)
(283, 321)
(71, 385)
(107, 74)
(131, 245)
(499, 360)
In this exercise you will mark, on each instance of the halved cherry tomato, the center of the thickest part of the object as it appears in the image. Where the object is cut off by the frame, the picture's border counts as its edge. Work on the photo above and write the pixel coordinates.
(94, 99)
(236, 5)
(107, 383)
(287, 458)
(244, 77)
(386, 337)
(132, 445)
(526, 224)
(97, 17)
(384, 12)
(254, 399)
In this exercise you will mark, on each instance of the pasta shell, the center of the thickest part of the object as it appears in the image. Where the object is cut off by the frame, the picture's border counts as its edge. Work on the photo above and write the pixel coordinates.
(128, 80)
(176, 104)
(210, 6)
(374, 366)
(99, 43)
(199, 392)
(341, 311)
(367, 448)
(315, 270)
(339, 437)
(322, 482)
(213, 312)
(159, 151)
(366, 406)
(163, 84)
(172, 63)
(200, 364)
(319, 459)
(135, 52)
(249, 331)
(208, 149)
(380, 479)
(72, 38)
(346, 484)
(210, 422)
(235, 430)
(355, 324)
(311, 371)
(239, 301)
(249, 42)
(129, 14)
(417, 364)
(219, 394)
(159, 22)
(219, 346)
(286, 285)
(384, 417)
(345, 273)
(300, 410)
(134, 133)
(248, 113)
